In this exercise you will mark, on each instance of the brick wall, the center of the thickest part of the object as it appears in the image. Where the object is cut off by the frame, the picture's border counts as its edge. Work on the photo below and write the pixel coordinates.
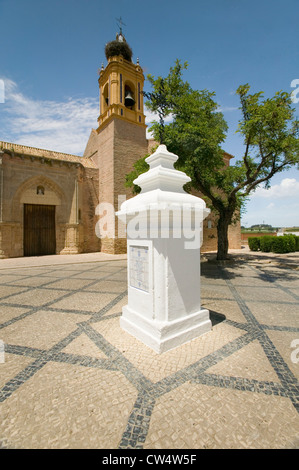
(245, 236)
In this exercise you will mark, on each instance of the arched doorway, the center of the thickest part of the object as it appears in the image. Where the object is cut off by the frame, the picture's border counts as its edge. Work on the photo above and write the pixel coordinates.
(38, 203)
(39, 230)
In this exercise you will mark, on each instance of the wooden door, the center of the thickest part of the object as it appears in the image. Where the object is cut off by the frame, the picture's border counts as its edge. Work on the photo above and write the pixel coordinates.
(39, 230)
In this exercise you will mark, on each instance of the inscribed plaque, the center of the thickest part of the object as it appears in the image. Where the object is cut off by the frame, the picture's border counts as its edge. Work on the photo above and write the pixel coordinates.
(139, 267)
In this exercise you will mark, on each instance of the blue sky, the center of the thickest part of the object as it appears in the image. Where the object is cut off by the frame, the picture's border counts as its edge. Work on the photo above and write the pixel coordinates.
(51, 53)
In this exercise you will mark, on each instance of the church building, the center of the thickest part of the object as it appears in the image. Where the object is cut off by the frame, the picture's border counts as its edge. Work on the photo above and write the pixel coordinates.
(50, 202)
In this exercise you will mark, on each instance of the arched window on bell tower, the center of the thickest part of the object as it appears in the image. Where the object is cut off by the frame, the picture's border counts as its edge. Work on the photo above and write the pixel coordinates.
(129, 95)
(106, 96)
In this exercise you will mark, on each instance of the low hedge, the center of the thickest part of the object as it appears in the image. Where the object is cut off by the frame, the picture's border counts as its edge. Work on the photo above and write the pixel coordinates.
(283, 244)
(290, 242)
(254, 243)
(266, 243)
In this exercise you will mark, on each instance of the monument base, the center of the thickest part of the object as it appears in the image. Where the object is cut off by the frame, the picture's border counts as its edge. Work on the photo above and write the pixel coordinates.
(163, 336)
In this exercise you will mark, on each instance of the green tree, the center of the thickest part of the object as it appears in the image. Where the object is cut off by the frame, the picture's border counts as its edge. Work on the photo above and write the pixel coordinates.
(196, 133)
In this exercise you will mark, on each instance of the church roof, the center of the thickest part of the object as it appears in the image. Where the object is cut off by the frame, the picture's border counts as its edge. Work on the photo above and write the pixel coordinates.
(43, 153)
(228, 155)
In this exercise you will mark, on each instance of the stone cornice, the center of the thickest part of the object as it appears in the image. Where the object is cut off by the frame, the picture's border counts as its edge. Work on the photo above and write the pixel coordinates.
(49, 156)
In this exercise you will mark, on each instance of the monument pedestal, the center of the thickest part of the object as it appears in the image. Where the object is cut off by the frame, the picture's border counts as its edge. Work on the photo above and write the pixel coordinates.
(164, 225)
(163, 336)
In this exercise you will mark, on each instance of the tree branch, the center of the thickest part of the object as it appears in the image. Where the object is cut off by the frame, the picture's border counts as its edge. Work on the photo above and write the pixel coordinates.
(217, 203)
(266, 178)
(245, 158)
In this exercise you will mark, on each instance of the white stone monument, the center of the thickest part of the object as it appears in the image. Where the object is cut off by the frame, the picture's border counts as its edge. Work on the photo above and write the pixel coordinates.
(164, 231)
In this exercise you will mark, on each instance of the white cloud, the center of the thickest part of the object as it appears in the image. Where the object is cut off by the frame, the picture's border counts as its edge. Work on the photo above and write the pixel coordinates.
(63, 126)
(287, 188)
(277, 205)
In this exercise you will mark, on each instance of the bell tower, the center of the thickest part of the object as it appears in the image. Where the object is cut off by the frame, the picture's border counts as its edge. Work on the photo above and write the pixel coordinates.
(120, 138)
(121, 85)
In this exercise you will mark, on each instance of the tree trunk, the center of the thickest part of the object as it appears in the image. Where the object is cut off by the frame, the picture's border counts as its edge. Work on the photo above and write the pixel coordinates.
(222, 233)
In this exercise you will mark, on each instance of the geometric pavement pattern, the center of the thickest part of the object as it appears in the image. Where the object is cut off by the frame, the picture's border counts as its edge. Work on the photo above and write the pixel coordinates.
(73, 379)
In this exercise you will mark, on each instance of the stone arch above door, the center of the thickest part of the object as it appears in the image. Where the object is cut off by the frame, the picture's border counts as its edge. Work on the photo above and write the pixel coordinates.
(37, 190)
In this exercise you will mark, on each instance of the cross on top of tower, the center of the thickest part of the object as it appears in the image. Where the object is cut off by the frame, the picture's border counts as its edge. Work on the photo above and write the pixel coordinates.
(120, 23)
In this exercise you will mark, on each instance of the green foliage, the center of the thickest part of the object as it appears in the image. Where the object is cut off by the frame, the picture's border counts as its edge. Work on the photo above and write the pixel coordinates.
(197, 130)
(270, 135)
(266, 243)
(140, 166)
(254, 243)
(290, 242)
(280, 245)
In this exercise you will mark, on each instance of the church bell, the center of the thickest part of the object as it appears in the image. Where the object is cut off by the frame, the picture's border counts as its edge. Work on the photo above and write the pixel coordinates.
(129, 100)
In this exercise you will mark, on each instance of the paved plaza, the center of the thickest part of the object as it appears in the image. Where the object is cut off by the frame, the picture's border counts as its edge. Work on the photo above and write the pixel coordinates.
(71, 378)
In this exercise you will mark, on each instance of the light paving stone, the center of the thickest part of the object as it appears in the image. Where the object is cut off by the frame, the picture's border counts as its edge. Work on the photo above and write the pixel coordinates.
(206, 417)
(75, 267)
(221, 292)
(107, 286)
(69, 284)
(117, 308)
(11, 366)
(228, 308)
(248, 280)
(8, 313)
(279, 314)
(120, 276)
(109, 269)
(265, 294)
(8, 291)
(90, 301)
(291, 282)
(294, 290)
(67, 406)
(42, 329)
(33, 281)
(7, 278)
(61, 273)
(249, 362)
(91, 275)
(82, 345)
(36, 297)
(282, 340)
(212, 282)
(158, 366)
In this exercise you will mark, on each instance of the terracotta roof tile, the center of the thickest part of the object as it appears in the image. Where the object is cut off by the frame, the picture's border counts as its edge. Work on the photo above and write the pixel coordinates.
(51, 154)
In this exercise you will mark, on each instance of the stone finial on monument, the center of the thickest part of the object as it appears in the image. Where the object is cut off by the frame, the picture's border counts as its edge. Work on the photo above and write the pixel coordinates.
(164, 227)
